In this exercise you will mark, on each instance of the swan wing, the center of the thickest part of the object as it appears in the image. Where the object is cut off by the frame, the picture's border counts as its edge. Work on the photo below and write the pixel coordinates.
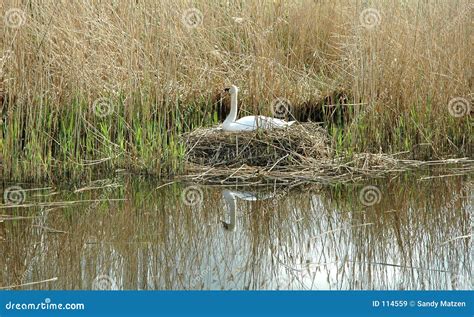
(261, 122)
(268, 123)
(251, 123)
(243, 124)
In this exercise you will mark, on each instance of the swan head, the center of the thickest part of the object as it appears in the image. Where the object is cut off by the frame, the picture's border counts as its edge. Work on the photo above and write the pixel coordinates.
(232, 89)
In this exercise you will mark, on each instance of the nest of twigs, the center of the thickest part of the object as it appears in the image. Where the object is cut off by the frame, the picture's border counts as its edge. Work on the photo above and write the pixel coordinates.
(291, 146)
(299, 154)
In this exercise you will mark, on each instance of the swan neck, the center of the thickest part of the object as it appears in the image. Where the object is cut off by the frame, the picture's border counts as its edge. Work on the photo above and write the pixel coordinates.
(233, 108)
(231, 203)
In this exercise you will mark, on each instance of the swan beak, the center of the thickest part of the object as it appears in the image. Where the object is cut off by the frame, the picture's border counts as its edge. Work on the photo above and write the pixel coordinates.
(227, 89)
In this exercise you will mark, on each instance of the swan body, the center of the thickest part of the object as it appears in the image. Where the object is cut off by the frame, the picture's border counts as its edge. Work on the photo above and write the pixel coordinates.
(230, 197)
(252, 123)
(249, 123)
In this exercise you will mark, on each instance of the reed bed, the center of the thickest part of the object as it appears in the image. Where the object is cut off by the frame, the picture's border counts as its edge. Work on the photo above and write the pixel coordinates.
(297, 155)
(330, 171)
(101, 85)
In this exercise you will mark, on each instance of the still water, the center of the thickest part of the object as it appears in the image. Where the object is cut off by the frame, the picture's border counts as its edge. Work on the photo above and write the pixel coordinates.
(407, 232)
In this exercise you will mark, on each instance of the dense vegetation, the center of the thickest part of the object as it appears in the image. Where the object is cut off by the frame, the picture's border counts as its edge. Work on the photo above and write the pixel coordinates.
(112, 84)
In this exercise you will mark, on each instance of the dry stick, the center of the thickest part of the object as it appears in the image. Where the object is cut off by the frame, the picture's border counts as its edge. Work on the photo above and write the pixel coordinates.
(59, 203)
(204, 173)
(17, 218)
(231, 175)
(31, 283)
(278, 162)
(163, 185)
(46, 195)
(95, 187)
(457, 238)
(398, 265)
(37, 189)
(52, 230)
(441, 176)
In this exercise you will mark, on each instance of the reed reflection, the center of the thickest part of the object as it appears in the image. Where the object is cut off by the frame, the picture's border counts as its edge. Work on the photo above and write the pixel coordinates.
(418, 236)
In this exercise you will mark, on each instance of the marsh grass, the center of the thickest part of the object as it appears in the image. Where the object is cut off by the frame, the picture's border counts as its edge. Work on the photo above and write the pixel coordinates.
(155, 78)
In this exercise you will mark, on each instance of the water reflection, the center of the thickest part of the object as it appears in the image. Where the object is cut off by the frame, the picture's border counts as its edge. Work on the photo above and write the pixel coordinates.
(417, 237)
(230, 198)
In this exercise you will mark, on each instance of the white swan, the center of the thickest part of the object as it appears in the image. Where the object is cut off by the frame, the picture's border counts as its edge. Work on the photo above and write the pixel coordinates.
(249, 123)
(230, 199)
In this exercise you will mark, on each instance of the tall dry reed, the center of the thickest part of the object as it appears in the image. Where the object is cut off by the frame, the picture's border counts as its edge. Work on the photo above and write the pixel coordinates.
(112, 83)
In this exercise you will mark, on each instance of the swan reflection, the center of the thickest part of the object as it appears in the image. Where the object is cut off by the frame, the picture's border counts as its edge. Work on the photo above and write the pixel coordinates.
(230, 197)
